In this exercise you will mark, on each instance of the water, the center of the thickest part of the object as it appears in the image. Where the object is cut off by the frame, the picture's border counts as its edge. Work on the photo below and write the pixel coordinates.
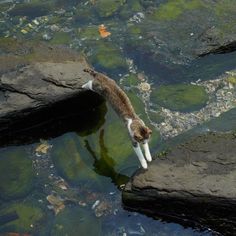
(65, 177)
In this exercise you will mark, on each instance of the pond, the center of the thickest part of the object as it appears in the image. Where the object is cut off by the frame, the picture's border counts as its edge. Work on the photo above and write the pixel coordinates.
(65, 177)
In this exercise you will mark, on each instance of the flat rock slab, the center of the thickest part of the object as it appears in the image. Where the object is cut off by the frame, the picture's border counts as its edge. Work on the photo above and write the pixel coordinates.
(33, 81)
(195, 183)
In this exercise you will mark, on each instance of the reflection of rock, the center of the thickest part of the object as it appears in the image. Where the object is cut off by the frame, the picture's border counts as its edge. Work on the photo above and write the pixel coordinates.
(195, 182)
(76, 220)
(29, 217)
(68, 159)
(16, 174)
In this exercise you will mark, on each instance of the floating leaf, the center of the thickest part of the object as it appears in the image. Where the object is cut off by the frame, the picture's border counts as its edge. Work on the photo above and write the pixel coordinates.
(103, 31)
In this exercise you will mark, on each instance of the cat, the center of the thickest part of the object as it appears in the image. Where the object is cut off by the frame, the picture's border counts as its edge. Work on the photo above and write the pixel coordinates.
(138, 131)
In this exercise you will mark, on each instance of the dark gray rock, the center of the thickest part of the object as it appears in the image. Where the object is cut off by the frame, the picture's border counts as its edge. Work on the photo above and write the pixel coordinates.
(32, 84)
(195, 183)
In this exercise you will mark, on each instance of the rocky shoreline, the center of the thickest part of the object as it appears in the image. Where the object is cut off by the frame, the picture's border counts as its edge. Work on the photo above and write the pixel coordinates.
(193, 184)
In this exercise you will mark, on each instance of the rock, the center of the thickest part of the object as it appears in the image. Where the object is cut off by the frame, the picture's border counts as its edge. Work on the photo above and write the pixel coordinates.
(214, 43)
(16, 174)
(61, 38)
(36, 77)
(68, 158)
(170, 34)
(31, 10)
(180, 97)
(106, 8)
(76, 219)
(29, 218)
(108, 57)
(192, 184)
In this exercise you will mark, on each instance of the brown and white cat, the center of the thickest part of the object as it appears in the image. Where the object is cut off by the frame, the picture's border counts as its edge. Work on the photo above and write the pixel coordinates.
(120, 102)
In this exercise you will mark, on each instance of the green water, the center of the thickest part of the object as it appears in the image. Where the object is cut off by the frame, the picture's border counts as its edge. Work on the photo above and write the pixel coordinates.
(89, 161)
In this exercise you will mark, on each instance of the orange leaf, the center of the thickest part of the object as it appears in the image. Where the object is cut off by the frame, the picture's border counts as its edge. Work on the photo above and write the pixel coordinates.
(103, 31)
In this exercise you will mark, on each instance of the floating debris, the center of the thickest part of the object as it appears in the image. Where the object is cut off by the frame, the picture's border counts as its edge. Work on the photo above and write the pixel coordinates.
(42, 148)
(56, 203)
(144, 87)
(103, 31)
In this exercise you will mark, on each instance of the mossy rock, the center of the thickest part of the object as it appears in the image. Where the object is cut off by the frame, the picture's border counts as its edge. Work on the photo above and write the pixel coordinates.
(76, 221)
(28, 216)
(174, 8)
(32, 10)
(130, 8)
(130, 81)
(89, 33)
(106, 8)
(16, 174)
(180, 97)
(71, 162)
(61, 38)
(108, 57)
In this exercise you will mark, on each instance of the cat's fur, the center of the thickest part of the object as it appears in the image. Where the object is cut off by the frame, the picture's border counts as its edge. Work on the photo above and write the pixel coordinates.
(120, 102)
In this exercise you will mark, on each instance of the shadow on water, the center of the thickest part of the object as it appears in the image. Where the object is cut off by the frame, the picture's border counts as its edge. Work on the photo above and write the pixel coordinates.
(83, 114)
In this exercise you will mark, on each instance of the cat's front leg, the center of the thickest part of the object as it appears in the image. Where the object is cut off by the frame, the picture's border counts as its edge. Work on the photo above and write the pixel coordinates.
(147, 151)
(138, 151)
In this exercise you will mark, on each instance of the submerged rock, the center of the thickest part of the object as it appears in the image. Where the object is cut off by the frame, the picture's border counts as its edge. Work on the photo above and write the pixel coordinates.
(28, 218)
(108, 57)
(16, 174)
(76, 219)
(180, 97)
(192, 184)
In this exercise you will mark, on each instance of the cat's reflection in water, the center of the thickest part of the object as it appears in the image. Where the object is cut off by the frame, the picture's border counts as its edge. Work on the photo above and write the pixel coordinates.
(105, 165)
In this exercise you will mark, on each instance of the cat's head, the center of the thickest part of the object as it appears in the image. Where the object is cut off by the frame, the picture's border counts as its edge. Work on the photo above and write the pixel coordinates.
(139, 131)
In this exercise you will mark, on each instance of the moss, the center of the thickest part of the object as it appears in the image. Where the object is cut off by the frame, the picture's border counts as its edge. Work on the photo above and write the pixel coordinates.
(61, 38)
(76, 221)
(106, 8)
(135, 30)
(89, 33)
(67, 157)
(180, 97)
(130, 80)
(174, 8)
(28, 215)
(232, 80)
(108, 57)
(16, 174)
